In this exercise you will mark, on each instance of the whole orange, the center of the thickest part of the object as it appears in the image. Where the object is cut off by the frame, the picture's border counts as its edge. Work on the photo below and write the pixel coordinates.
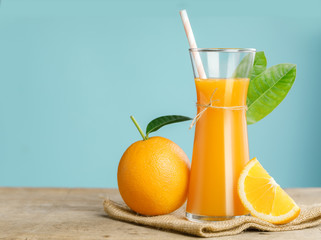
(153, 176)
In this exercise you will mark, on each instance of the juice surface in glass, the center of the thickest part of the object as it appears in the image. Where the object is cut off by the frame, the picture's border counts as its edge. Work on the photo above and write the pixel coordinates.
(220, 148)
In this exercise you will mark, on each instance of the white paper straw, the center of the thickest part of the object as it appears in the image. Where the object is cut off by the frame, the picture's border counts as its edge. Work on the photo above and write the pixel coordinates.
(192, 44)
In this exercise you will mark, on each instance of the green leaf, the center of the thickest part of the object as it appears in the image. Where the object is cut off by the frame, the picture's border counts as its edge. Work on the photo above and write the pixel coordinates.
(259, 66)
(268, 89)
(157, 123)
(242, 69)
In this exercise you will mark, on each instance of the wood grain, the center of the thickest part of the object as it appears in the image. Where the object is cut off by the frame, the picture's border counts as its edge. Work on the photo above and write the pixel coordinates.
(62, 213)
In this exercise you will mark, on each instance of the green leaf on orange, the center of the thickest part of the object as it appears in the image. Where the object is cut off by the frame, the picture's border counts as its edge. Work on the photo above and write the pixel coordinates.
(159, 122)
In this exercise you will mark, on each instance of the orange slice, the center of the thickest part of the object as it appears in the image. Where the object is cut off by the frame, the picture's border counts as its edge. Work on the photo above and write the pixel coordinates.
(263, 197)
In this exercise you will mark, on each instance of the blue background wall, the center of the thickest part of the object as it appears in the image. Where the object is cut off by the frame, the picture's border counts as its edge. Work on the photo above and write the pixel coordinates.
(71, 73)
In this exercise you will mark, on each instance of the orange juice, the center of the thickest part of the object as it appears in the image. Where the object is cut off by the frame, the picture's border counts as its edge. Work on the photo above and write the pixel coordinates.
(220, 149)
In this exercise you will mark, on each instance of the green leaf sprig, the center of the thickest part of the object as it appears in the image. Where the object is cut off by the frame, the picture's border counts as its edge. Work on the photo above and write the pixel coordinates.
(268, 87)
(159, 122)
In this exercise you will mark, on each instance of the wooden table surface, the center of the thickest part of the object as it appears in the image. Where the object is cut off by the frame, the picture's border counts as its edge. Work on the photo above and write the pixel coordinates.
(61, 213)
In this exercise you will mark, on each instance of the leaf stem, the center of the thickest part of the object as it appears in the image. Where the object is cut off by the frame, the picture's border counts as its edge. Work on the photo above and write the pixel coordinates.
(138, 128)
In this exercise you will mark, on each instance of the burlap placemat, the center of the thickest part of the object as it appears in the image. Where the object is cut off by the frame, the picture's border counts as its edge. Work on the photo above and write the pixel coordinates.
(310, 216)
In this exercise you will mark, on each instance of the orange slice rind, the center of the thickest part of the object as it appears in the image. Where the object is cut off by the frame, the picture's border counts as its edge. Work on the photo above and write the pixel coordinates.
(263, 197)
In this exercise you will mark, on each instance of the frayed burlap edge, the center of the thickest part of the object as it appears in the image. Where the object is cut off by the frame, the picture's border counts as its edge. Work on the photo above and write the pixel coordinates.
(310, 216)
